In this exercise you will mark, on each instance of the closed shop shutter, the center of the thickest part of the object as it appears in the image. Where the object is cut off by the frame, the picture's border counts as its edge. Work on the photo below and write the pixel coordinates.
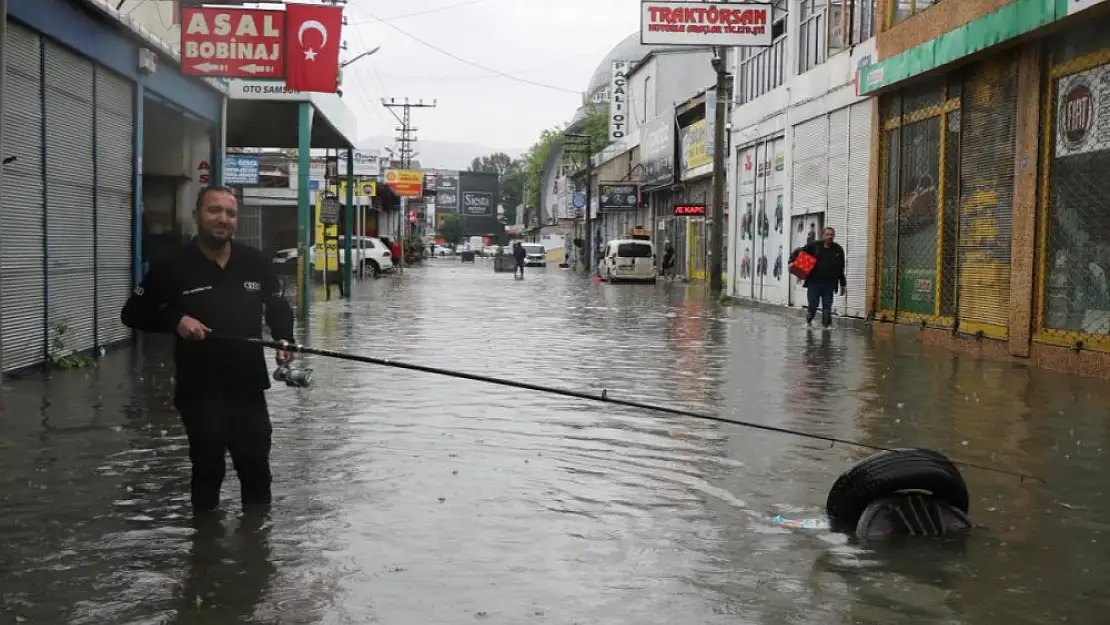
(21, 257)
(810, 167)
(70, 231)
(856, 234)
(989, 114)
(837, 214)
(114, 128)
(249, 230)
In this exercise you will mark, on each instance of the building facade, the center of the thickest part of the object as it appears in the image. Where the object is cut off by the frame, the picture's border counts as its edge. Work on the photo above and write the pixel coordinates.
(800, 152)
(989, 209)
(93, 105)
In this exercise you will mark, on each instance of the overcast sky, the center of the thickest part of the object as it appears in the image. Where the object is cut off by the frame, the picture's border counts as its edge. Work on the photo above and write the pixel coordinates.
(554, 43)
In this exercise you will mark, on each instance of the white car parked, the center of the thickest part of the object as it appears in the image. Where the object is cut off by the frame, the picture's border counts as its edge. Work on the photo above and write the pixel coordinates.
(374, 256)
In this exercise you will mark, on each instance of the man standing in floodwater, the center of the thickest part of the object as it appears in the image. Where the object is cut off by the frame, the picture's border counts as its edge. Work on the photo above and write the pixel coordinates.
(214, 284)
(519, 254)
(826, 278)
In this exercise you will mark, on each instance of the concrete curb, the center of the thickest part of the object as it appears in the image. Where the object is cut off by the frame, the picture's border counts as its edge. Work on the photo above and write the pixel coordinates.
(787, 311)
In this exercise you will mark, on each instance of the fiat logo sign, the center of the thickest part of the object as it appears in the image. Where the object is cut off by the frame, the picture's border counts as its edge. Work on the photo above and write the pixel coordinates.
(1076, 115)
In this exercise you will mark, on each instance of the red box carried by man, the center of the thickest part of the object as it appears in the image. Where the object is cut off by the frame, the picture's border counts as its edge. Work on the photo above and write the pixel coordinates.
(803, 264)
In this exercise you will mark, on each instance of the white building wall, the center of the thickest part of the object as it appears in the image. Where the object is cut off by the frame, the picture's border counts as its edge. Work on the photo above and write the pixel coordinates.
(822, 92)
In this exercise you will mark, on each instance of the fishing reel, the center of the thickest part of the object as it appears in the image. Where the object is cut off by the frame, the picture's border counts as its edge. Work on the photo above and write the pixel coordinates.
(293, 376)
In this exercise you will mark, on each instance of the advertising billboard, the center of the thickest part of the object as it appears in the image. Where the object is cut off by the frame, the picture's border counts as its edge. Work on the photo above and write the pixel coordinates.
(478, 203)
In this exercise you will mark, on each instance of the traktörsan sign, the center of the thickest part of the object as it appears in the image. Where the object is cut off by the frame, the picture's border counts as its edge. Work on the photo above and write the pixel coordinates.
(477, 203)
(618, 101)
(705, 23)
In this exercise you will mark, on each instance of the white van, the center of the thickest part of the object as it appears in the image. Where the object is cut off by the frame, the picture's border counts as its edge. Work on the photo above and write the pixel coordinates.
(629, 259)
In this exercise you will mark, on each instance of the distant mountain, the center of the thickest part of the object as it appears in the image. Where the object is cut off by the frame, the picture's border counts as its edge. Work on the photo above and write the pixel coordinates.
(442, 154)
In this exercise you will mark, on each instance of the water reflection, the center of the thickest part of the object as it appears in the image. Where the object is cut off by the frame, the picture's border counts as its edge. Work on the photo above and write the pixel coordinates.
(228, 577)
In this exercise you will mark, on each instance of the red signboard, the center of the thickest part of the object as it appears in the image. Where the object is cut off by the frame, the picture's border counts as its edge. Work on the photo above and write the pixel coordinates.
(689, 210)
(232, 43)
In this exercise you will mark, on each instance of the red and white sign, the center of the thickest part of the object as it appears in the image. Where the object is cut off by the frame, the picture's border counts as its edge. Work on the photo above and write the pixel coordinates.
(312, 47)
(1083, 112)
(705, 23)
(232, 43)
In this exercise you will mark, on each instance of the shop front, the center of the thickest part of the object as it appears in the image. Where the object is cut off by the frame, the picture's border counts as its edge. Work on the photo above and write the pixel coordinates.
(990, 216)
(656, 171)
(78, 84)
(762, 232)
(830, 188)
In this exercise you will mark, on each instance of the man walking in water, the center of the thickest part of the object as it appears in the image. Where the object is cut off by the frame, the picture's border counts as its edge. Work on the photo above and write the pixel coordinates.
(519, 254)
(826, 278)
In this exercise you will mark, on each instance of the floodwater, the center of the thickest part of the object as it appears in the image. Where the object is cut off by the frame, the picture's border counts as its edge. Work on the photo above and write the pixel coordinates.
(410, 499)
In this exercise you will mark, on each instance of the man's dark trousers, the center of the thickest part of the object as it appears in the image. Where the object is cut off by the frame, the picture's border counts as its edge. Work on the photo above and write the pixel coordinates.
(519, 268)
(823, 293)
(218, 422)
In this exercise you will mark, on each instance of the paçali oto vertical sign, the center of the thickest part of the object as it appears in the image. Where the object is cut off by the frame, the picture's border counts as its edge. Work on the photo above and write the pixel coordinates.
(618, 101)
(232, 43)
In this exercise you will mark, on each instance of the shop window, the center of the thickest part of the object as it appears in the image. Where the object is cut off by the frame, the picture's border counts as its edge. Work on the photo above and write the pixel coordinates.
(1075, 233)
(914, 202)
(828, 27)
(900, 10)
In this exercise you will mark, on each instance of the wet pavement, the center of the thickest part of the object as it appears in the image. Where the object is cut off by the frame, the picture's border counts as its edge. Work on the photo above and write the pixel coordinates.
(409, 499)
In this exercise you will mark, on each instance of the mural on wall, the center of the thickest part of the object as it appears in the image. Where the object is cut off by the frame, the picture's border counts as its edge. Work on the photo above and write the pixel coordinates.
(771, 177)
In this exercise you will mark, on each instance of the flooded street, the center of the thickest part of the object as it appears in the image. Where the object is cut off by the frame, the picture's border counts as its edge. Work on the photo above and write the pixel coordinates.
(409, 499)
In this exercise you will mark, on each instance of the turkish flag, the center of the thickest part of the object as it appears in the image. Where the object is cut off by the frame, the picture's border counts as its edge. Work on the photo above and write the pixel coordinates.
(313, 34)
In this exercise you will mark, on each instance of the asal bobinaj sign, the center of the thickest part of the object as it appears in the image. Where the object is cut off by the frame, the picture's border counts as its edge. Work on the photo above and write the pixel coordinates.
(232, 43)
(705, 23)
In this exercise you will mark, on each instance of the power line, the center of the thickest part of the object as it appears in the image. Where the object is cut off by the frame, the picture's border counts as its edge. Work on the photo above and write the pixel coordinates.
(406, 138)
(472, 63)
(424, 12)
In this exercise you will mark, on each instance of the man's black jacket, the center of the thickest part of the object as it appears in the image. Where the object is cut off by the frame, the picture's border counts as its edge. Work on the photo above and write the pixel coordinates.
(229, 300)
(830, 264)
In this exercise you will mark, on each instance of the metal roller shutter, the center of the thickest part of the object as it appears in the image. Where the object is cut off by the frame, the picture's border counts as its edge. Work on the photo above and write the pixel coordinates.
(249, 230)
(856, 235)
(21, 244)
(837, 215)
(989, 112)
(810, 167)
(114, 133)
(70, 231)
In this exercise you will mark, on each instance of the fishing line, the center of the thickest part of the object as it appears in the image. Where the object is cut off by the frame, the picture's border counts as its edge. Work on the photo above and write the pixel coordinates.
(603, 398)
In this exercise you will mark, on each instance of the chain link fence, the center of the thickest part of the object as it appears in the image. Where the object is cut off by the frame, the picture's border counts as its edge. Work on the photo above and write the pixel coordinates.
(1075, 229)
(947, 200)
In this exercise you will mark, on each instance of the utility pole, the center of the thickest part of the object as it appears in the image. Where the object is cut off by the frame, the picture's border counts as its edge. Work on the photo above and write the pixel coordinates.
(717, 227)
(581, 142)
(405, 141)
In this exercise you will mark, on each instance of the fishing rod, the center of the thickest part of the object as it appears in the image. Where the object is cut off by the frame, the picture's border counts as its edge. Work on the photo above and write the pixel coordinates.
(603, 398)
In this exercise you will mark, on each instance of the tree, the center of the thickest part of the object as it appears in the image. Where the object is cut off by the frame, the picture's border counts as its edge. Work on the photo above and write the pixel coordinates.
(509, 172)
(595, 126)
(451, 230)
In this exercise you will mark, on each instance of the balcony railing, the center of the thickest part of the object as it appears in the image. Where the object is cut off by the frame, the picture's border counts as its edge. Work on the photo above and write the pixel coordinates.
(762, 72)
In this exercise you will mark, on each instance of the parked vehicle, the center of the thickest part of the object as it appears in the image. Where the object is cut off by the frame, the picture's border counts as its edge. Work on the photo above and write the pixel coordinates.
(374, 256)
(629, 259)
(535, 255)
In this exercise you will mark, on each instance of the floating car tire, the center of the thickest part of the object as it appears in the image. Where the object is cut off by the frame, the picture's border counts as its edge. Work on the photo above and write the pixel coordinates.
(886, 473)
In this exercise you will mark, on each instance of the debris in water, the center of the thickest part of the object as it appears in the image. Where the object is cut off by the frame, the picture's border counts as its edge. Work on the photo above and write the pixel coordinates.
(455, 472)
(442, 499)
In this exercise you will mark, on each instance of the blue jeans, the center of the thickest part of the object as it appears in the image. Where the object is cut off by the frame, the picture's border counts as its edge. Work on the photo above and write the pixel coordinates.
(822, 293)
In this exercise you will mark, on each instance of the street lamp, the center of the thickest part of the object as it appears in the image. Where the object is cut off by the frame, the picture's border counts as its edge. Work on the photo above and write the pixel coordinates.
(364, 54)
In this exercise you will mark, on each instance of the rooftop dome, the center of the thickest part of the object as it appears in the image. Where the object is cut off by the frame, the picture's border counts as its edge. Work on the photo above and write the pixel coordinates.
(630, 49)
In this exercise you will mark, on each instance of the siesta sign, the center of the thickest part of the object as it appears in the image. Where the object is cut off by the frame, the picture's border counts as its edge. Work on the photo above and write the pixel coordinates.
(233, 43)
(689, 210)
(477, 203)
